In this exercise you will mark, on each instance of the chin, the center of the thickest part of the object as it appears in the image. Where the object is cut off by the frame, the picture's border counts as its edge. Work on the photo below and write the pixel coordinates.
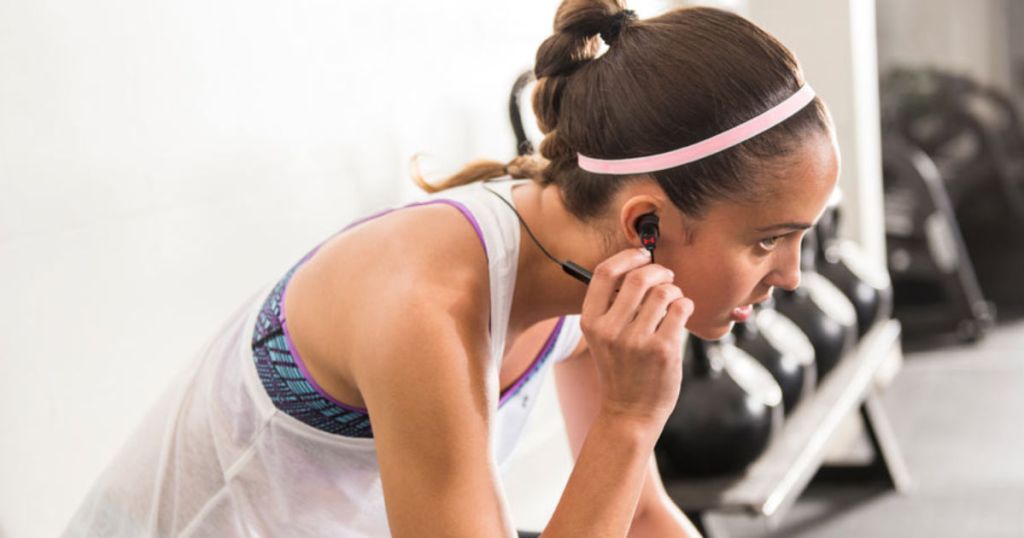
(714, 332)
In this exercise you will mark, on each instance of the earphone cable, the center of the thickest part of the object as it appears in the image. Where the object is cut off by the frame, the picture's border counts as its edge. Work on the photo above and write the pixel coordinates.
(525, 226)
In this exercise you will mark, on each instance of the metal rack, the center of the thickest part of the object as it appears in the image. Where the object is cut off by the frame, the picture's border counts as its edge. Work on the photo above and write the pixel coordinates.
(772, 483)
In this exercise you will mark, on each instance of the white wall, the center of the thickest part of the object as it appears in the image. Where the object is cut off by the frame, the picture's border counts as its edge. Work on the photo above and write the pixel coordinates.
(971, 38)
(161, 160)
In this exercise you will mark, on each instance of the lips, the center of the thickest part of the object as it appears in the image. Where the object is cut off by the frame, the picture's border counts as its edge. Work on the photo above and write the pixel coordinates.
(742, 313)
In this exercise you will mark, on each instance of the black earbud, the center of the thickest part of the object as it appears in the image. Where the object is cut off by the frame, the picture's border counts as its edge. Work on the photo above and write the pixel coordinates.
(647, 227)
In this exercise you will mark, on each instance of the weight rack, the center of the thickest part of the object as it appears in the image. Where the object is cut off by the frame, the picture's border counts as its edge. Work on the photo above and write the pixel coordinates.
(773, 482)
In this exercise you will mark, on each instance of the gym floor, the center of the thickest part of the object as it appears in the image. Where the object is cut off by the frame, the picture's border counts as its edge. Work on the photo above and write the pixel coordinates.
(958, 414)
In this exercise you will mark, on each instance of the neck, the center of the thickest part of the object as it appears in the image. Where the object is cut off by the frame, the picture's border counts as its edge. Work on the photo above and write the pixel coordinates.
(543, 290)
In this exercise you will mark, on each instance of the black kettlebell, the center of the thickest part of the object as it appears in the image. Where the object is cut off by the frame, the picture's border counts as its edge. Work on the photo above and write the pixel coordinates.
(783, 349)
(728, 411)
(843, 262)
(821, 311)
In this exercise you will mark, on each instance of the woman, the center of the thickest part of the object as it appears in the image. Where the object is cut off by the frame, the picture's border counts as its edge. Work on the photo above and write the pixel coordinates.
(380, 384)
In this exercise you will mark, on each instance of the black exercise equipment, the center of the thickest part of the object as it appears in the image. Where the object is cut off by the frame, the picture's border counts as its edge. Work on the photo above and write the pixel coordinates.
(729, 408)
(972, 132)
(844, 263)
(975, 138)
(516, 106)
(783, 349)
(935, 287)
(821, 311)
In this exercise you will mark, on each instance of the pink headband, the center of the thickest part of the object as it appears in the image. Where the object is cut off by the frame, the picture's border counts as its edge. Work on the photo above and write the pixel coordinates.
(704, 148)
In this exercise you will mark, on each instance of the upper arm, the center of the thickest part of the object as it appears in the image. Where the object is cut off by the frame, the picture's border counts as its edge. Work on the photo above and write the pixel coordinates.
(579, 388)
(428, 392)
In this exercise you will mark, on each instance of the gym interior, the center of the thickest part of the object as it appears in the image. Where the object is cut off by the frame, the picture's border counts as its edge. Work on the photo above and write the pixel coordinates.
(144, 145)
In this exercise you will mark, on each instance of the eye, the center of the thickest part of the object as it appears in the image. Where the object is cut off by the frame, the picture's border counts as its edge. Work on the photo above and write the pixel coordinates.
(769, 243)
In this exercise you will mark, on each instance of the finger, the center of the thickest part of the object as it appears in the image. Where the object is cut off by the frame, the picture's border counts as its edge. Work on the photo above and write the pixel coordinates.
(655, 307)
(635, 286)
(608, 277)
(673, 325)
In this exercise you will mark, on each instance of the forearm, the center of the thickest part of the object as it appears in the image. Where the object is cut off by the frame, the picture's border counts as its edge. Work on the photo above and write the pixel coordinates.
(601, 495)
(663, 520)
(656, 514)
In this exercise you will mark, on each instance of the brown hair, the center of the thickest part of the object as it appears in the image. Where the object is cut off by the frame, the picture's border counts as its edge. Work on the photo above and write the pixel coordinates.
(663, 83)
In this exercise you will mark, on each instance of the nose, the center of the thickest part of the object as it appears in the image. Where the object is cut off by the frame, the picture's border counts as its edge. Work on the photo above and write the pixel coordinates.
(786, 273)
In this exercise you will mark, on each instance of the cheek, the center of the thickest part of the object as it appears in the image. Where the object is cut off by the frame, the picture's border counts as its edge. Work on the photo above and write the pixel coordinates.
(713, 290)
(720, 288)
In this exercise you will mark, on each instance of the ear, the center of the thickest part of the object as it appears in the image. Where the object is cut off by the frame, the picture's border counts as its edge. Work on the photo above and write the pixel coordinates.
(633, 211)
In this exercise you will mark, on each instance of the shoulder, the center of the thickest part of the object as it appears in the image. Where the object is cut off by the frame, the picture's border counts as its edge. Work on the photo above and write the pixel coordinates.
(417, 267)
(425, 247)
(432, 252)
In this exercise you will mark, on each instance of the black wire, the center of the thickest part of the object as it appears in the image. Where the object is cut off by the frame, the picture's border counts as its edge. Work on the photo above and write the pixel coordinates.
(525, 227)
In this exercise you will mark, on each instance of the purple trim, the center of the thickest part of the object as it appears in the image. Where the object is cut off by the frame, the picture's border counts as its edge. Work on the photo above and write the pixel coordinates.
(309, 377)
(466, 213)
(284, 292)
(544, 351)
(457, 205)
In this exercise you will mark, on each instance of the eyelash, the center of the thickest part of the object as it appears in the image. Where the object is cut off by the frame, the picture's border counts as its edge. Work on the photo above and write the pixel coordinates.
(771, 242)
(775, 239)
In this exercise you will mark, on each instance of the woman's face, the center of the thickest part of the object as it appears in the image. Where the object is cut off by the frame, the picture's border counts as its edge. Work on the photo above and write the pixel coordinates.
(736, 253)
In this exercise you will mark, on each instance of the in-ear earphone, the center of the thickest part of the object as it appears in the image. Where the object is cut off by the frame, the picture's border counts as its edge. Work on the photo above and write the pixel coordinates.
(646, 226)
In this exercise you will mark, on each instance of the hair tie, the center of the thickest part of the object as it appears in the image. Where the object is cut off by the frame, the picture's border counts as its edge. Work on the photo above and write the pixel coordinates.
(618, 20)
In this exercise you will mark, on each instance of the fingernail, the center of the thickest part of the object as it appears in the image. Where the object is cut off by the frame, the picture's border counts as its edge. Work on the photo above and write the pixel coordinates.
(646, 253)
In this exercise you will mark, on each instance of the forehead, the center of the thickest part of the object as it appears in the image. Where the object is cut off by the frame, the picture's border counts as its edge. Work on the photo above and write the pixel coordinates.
(796, 191)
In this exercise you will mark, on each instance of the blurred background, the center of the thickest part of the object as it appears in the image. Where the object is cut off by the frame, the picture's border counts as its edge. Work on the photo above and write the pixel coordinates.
(159, 162)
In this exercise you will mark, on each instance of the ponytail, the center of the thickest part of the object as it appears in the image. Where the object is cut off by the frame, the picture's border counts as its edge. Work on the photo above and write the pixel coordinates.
(522, 167)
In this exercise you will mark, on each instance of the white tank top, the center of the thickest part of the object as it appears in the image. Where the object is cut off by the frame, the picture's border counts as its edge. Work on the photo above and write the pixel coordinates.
(215, 457)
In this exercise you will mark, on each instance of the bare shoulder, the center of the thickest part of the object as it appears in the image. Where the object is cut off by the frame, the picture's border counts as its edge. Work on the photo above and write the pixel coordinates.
(428, 258)
(382, 282)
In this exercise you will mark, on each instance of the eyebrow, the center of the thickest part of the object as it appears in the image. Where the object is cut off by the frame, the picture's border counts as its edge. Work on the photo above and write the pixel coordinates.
(785, 226)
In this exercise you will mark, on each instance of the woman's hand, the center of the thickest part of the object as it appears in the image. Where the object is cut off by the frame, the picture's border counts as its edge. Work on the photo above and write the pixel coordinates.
(634, 320)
